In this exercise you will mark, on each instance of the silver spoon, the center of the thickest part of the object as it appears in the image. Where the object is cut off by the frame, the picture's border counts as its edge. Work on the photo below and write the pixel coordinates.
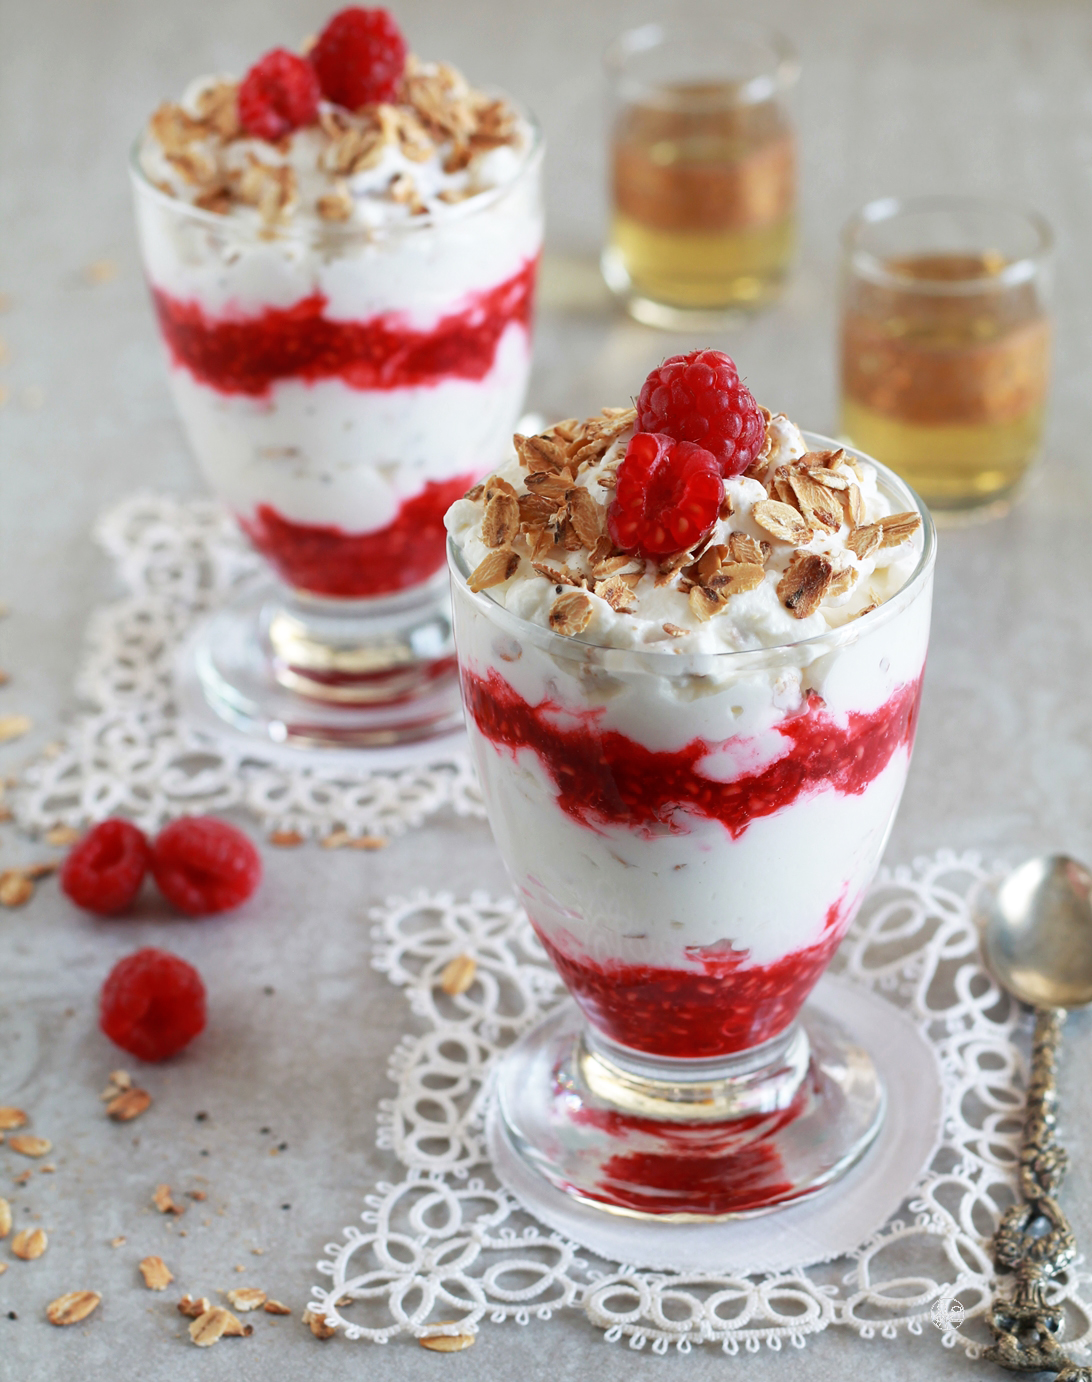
(1037, 944)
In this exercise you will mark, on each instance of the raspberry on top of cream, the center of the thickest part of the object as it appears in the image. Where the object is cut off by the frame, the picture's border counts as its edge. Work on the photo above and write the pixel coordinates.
(627, 537)
(282, 146)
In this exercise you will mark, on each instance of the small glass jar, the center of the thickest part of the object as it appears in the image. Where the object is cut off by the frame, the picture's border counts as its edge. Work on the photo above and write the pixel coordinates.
(691, 836)
(946, 344)
(340, 386)
(703, 171)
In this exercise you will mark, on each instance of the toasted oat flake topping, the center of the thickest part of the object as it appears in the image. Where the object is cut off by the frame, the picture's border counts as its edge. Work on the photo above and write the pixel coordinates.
(458, 974)
(29, 1243)
(11, 1117)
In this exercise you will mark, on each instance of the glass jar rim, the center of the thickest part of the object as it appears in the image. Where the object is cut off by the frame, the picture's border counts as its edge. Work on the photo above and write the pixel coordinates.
(784, 66)
(669, 662)
(864, 263)
(332, 233)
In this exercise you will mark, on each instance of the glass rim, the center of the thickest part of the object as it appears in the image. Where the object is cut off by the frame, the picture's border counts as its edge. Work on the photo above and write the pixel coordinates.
(327, 233)
(865, 264)
(784, 68)
(744, 659)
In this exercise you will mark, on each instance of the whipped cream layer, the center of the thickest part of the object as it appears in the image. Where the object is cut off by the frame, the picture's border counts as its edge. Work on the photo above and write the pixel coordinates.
(669, 802)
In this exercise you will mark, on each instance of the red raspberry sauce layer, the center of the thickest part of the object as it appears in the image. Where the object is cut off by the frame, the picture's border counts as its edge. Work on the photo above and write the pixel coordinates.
(725, 1007)
(248, 355)
(604, 778)
(329, 561)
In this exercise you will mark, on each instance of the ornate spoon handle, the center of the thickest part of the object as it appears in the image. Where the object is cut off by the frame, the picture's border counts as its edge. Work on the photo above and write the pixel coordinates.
(1034, 1240)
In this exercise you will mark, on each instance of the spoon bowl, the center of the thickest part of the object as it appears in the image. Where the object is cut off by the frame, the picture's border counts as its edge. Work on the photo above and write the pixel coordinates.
(1037, 933)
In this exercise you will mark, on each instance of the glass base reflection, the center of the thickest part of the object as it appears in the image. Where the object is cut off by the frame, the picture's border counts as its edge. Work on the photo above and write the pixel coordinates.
(290, 669)
(689, 1141)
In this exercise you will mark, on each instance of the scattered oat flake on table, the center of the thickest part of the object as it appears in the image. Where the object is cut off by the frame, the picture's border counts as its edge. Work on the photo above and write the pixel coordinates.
(129, 1104)
(11, 1117)
(15, 888)
(194, 1309)
(47, 1170)
(22, 1180)
(101, 271)
(119, 1080)
(118, 1241)
(196, 1195)
(14, 726)
(458, 974)
(213, 1325)
(286, 839)
(245, 1298)
(73, 1307)
(3, 1268)
(157, 1275)
(26, 1144)
(274, 1307)
(30, 1243)
(317, 1325)
(5, 1217)
(164, 1202)
(42, 870)
(446, 1343)
(61, 836)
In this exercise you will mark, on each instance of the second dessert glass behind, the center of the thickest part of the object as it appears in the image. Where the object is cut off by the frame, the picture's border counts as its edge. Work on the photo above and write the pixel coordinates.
(346, 314)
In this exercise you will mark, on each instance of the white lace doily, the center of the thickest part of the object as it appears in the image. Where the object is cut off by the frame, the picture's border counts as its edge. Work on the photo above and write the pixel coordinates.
(445, 1242)
(129, 752)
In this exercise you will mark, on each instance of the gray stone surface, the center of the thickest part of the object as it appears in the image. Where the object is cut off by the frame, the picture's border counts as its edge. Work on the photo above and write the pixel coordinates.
(939, 94)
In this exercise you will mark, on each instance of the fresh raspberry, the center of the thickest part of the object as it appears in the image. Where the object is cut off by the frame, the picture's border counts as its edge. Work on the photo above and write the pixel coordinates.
(667, 498)
(204, 865)
(152, 1004)
(359, 57)
(104, 870)
(279, 94)
(698, 398)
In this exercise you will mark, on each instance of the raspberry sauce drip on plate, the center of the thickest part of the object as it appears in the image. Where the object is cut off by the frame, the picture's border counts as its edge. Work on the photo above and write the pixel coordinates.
(726, 1006)
(329, 561)
(604, 778)
(248, 355)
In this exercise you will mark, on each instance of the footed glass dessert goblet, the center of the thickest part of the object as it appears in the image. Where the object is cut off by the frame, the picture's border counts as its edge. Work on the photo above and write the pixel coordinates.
(691, 761)
(341, 251)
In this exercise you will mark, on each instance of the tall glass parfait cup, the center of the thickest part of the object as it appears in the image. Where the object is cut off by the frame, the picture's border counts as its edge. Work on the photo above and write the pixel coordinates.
(340, 384)
(691, 836)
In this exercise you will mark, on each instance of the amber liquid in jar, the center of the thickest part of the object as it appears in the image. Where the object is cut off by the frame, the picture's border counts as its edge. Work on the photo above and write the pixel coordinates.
(704, 198)
(950, 391)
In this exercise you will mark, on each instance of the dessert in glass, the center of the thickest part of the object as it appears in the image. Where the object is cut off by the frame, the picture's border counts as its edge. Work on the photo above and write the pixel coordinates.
(691, 641)
(341, 250)
(946, 345)
(703, 170)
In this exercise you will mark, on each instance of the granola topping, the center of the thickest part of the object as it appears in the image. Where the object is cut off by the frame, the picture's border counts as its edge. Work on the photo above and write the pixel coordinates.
(804, 542)
(437, 144)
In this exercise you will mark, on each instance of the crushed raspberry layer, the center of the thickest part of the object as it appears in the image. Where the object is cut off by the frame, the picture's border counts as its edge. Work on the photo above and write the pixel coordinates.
(726, 1006)
(359, 57)
(104, 871)
(327, 560)
(152, 1004)
(667, 497)
(279, 94)
(204, 865)
(604, 778)
(248, 355)
(699, 398)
